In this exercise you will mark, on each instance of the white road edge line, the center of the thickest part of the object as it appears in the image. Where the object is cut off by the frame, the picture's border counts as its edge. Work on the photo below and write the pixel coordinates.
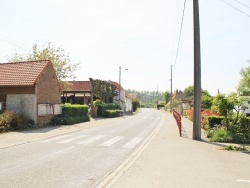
(247, 181)
(119, 171)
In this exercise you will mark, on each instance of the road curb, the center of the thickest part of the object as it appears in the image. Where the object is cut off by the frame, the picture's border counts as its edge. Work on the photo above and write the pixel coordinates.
(120, 170)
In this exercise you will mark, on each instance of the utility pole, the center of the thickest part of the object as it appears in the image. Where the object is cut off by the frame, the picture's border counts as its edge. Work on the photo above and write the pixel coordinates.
(171, 92)
(119, 84)
(197, 73)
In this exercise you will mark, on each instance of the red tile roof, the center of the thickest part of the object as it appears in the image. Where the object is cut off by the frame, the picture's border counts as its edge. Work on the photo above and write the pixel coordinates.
(77, 86)
(21, 73)
(116, 85)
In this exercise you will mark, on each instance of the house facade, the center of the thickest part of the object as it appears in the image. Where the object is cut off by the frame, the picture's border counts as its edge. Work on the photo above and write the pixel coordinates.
(76, 92)
(79, 92)
(124, 99)
(30, 88)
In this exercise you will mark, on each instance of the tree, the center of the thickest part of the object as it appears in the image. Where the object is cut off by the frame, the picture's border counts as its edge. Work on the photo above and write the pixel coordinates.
(223, 105)
(232, 108)
(244, 84)
(135, 103)
(166, 96)
(206, 98)
(189, 91)
(104, 90)
(58, 57)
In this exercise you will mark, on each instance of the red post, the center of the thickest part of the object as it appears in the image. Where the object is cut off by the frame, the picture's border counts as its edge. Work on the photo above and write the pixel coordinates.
(177, 117)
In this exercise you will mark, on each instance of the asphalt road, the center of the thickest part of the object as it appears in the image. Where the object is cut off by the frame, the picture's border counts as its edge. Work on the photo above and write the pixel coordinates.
(77, 159)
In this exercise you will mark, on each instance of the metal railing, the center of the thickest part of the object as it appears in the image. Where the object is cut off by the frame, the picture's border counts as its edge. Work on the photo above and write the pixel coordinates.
(177, 117)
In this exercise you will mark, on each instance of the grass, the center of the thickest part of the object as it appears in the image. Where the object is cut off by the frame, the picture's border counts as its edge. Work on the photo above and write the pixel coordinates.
(237, 148)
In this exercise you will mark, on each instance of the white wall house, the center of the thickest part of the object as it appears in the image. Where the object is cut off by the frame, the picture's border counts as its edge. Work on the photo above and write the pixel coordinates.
(124, 99)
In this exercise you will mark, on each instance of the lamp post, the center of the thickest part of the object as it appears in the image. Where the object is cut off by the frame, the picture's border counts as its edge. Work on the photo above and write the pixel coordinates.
(120, 72)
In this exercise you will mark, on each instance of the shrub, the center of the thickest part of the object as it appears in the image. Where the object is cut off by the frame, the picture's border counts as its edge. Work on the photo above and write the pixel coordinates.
(11, 121)
(110, 113)
(210, 121)
(5, 121)
(106, 106)
(222, 135)
(74, 110)
(68, 120)
(21, 121)
(136, 104)
(97, 102)
(189, 114)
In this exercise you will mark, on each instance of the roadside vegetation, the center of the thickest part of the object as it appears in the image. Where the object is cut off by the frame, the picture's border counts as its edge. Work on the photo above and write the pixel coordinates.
(224, 117)
(71, 114)
(10, 121)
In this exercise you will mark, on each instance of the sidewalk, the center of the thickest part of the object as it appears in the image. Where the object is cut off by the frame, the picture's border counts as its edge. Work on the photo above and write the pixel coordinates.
(10, 139)
(177, 162)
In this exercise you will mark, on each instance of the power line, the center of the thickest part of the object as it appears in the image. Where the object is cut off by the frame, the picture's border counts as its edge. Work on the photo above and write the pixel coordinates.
(242, 4)
(5, 39)
(180, 33)
(229, 4)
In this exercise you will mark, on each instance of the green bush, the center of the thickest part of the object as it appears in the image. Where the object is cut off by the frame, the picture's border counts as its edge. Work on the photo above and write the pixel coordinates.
(11, 121)
(5, 121)
(107, 106)
(110, 113)
(74, 110)
(214, 120)
(136, 104)
(222, 135)
(21, 122)
(68, 120)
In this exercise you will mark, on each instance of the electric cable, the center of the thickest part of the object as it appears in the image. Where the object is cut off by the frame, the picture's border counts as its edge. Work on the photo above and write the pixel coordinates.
(229, 4)
(242, 4)
(183, 13)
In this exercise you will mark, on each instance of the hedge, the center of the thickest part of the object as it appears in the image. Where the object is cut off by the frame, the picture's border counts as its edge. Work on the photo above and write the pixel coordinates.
(71, 110)
(213, 120)
(107, 106)
(110, 113)
(68, 120)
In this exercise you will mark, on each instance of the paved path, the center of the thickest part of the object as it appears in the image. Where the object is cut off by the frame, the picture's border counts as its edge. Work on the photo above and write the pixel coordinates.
(173, 161)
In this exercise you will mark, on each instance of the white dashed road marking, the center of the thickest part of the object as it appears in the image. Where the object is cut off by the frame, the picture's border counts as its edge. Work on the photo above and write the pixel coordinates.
(247, 181)
(133, 142)
(85, 142)
(72, 139)
(55, 138)
(112, 141)
(66, 149)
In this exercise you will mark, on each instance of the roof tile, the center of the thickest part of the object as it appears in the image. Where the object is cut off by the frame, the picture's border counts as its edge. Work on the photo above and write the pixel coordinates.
(21, 73)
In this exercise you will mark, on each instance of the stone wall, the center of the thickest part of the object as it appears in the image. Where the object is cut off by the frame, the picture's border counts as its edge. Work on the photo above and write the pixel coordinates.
(22, 104)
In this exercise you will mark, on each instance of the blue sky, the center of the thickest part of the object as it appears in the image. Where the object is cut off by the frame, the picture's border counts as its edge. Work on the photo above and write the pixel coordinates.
(138, 35)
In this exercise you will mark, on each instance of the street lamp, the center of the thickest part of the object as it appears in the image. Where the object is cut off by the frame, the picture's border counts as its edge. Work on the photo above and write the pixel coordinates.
(120, 72)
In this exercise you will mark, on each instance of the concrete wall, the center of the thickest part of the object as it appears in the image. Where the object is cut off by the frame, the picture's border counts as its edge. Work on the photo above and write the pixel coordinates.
(22, 104)
(129, 106)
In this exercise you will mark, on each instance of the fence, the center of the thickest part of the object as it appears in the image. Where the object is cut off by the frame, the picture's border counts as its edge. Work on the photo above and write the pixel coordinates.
(177, 117)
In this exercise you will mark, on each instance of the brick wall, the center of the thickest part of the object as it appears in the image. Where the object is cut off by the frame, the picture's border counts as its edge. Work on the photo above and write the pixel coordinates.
(48, 90)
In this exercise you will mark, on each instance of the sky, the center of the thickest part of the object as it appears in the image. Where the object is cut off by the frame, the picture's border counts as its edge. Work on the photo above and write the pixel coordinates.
(139, 35)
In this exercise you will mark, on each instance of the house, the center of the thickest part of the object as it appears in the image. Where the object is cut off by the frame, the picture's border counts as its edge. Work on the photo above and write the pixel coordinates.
(79, 92)
(30, 88)
(76, 92)
(123, 98)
